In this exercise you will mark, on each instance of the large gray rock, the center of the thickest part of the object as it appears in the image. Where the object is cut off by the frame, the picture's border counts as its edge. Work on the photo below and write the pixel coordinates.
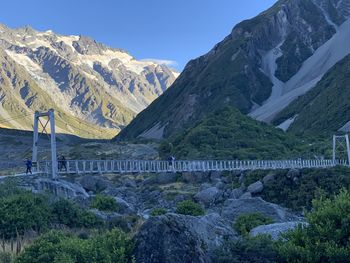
(60, 188)
(215, 175)
(255, 188)
(94, 183)
(123, 206)
(232, 208)
(178, 238)
(275, 230)
(207, 196)
(236, 193)
(268, 178)
(195, 177)
(167, 178)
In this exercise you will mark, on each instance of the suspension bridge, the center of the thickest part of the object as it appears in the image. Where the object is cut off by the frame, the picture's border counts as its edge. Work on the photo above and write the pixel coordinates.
(55, 167)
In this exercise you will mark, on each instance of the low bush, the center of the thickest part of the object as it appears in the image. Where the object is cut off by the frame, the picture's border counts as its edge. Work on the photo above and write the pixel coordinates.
(67, 213)
(326, 238)
(246, 250)
(246, 222)
(6, 257)
(189, 207)
(158, 211)
(23, 212)
(57, 246)
(105, 203)
(313, 182)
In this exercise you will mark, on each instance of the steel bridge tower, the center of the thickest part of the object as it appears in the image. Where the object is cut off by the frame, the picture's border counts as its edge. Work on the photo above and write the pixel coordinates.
(51, 119)
(341, 143)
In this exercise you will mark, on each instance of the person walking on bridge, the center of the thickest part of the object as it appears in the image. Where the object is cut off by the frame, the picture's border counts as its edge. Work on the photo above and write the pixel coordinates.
(29, 165)
(63, 163)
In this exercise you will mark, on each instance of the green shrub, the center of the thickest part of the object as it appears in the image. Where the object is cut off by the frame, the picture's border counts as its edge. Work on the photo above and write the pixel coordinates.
(105, 203)
(246, 222)
(246, 250)
(6, 257)
(228, 134)
(67, 213)
(326, 238)
(22, 212)
(299, 195)
(189, 207)
(158, 211)
(57, 246)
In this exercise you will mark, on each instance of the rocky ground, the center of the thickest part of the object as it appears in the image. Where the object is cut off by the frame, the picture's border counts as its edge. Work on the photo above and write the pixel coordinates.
(17, 145)
(175, 237)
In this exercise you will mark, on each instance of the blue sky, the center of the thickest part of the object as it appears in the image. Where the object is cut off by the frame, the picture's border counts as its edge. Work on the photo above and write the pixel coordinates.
(173, 30)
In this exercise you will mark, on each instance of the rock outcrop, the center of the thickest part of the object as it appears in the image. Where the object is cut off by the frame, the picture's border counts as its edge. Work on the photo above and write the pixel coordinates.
(178, 238)
(232, 208)
(275, 230)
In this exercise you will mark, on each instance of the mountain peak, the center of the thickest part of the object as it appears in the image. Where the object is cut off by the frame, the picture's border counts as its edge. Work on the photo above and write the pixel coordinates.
(82, 78)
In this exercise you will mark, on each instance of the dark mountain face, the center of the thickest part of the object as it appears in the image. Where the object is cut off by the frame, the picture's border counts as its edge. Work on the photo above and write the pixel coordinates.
(234, 73)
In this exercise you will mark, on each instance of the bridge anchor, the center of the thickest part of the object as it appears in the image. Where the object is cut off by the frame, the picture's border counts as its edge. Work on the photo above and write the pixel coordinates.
(341, 142)
(51, 119)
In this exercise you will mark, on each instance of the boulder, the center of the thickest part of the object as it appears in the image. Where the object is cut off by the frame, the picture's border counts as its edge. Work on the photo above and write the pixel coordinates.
(94, 183)
(237, 192)
(167, 178)
(60, 188)
(293, 173)
(105, 216)
(127, 182)
(246, 195)
(124, 207)
(232, 208)
(214, 175)
(207, 196)
(268, 178)
(275, 230)
(180, 238)
(255, 188)
(195, 177)
(220, 185)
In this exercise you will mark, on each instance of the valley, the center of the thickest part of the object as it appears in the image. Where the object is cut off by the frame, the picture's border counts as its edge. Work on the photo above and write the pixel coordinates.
(244, 156)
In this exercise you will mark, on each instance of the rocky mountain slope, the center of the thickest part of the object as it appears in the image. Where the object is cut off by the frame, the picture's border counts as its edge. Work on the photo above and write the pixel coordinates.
(96, 90)
(325, 107)
(261, 67)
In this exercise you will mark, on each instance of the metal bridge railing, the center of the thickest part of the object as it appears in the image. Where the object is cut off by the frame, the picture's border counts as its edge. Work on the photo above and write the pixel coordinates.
(157, 166)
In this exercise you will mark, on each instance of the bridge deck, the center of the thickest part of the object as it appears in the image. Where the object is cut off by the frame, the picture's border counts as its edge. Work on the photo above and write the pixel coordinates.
(156, 166)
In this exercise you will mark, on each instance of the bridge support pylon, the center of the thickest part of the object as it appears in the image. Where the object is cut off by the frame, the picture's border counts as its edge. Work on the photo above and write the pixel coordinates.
(51, 119)
(341, 142)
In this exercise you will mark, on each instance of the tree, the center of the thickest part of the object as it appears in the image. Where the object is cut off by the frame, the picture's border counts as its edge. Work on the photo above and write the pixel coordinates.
(326, 238)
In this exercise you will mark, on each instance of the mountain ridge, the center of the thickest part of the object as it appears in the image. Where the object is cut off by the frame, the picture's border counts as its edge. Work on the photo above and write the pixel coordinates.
(100, 86)
(242, 70)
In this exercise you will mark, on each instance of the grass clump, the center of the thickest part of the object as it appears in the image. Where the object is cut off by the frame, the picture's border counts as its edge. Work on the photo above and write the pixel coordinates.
(105, 203)
(246, 222)
(158, 211)
(189, 207)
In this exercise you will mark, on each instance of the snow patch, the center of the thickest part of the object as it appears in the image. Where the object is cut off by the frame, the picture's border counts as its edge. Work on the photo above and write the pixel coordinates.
(346, 127)
(156, 132)
(22, 59)
(269, 67)
(68, 40)
(286, 124)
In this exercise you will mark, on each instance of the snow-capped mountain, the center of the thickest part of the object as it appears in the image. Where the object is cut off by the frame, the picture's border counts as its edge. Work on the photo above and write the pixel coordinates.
(83, 80)
(263, 66)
